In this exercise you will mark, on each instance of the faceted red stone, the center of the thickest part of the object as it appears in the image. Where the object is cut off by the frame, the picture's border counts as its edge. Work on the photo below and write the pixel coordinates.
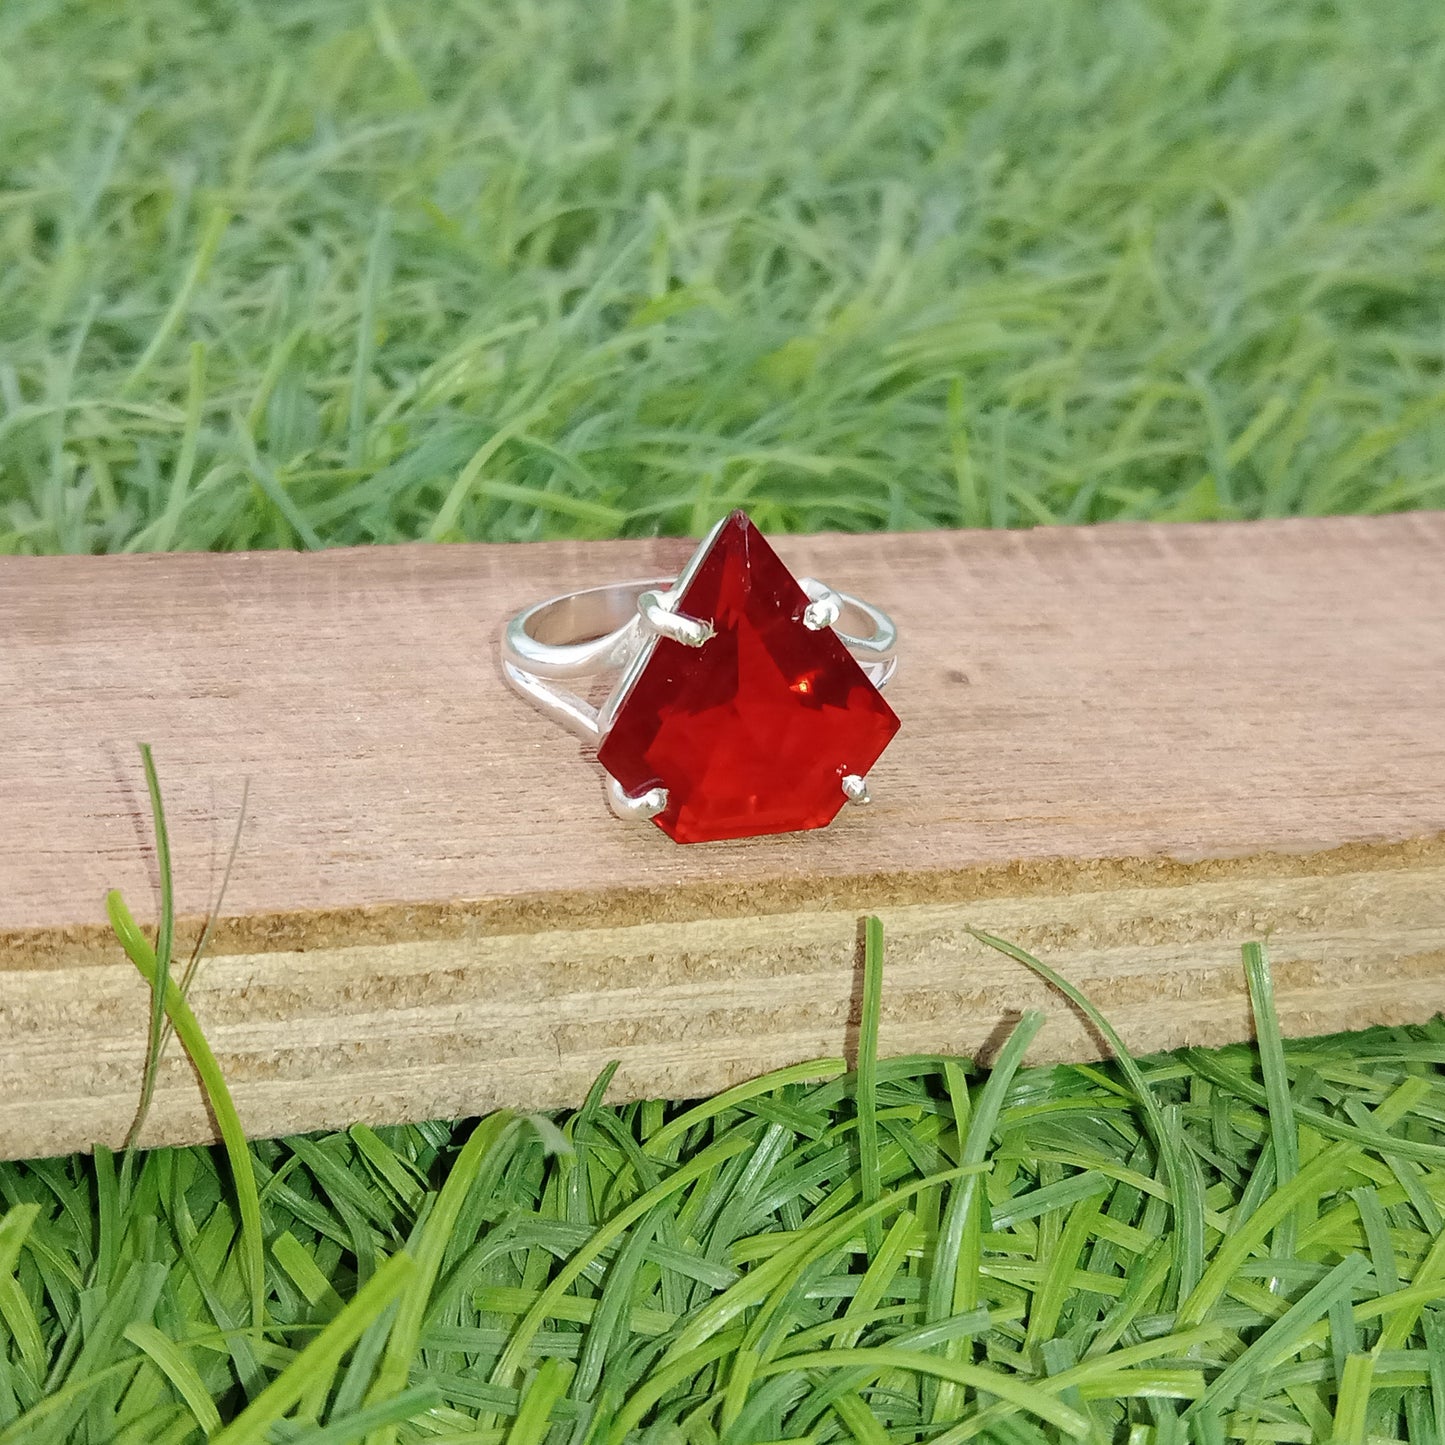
(754, 731)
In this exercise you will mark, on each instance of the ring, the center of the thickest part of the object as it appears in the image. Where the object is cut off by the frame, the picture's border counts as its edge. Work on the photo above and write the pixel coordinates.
(743, 701)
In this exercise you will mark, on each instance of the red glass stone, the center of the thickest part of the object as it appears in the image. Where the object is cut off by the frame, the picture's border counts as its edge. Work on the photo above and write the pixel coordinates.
(754, 731)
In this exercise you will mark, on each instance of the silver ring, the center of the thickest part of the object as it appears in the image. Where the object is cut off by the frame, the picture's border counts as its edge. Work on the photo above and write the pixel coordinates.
(651, 639)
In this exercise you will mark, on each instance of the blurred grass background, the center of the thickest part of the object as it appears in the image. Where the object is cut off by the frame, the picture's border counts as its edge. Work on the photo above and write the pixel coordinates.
(342, 272)
(353, 271)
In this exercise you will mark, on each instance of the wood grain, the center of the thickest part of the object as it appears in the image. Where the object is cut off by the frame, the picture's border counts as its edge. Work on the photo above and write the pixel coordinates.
(1129, 748)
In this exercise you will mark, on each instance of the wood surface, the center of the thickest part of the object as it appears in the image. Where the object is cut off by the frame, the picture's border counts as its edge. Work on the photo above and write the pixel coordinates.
(1128, 748)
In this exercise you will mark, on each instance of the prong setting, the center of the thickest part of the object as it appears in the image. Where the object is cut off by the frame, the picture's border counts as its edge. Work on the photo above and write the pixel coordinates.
(696, 716)
(657, 612)
(641, 808)
(825, 607)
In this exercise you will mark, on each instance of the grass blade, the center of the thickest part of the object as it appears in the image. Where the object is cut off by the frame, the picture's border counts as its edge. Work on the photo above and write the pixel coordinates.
(171, 1360)
(1283, 1129)
(867, 1088)
(320, 1358)
(1187, 1199)
(165, 942)
(218, 1095)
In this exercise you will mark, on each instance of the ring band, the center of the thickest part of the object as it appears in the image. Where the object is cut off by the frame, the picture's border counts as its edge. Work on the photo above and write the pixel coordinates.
(585, 634)
(744, 701)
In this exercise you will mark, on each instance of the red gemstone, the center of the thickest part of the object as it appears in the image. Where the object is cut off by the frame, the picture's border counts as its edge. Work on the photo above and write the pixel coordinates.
(754, 731)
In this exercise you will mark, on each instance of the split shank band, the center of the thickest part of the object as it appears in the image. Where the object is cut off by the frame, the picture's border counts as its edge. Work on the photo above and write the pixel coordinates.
(602, 630)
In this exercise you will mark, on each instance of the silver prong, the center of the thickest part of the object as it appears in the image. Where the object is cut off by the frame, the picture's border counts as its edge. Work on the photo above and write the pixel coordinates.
(656, 610)
(855, 787)
(825, 606)
(635, 809)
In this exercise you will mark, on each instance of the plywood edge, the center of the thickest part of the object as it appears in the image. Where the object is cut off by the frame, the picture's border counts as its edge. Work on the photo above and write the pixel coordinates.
(405, 1030)
(322, 930)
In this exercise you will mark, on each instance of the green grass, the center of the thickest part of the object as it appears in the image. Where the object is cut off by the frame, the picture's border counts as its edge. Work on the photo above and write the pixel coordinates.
(341, 272)
(1141, 1251)
(326, 273)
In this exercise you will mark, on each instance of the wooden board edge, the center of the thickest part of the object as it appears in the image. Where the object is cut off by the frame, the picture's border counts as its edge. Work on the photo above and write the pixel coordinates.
(400, 1031)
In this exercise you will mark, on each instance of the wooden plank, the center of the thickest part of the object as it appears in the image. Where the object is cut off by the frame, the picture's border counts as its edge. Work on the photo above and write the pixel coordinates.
(1129, 748)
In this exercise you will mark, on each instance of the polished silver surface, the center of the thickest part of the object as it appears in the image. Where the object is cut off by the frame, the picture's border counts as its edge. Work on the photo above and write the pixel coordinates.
(660, 616)
(579, 634)
(587, 635)
(605, 636)
(825, 608)
(639, 809)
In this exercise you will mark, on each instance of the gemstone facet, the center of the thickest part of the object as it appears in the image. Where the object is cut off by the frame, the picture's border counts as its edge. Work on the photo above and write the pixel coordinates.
(754, 731)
